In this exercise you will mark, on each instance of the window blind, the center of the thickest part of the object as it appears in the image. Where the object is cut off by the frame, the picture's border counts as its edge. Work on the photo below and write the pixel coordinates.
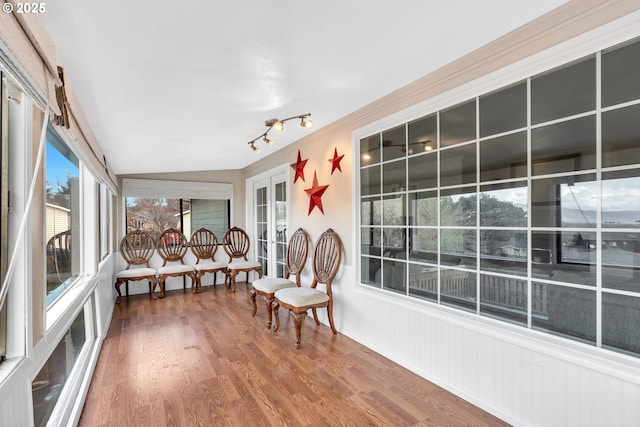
(150, 188)
(29, 54)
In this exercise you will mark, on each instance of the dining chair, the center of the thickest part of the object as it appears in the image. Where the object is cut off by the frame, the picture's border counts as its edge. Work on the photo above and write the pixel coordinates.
(59, 257)
(236, 244)
(297, 252)
(136, 248)
(204, 245)
(172, 247)
(326, 261)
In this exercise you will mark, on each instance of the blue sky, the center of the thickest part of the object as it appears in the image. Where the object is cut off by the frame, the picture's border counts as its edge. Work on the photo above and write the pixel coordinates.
(58, 166)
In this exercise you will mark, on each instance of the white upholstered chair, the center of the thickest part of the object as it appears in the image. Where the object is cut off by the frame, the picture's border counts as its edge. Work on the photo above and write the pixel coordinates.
(236, 245)
(326, 261)
(204, 244)
(172, 247)
(297, 252)
(136, 249)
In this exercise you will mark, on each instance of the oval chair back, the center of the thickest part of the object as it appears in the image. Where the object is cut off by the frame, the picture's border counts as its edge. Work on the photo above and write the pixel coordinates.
(137, 248)
(204, 244)
(172, 246)
(236, 243)
(297, 253)
(326, 259)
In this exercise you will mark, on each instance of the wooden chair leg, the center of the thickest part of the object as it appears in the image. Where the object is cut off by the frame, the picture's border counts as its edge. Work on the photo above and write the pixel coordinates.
(268, 303)
(117, 286)
(253, 301)
(315, 316)
(161, 284)
(226, 276)
(232, 275)
(330, 316)
(276, 306)
(195, 284)
(298, 319)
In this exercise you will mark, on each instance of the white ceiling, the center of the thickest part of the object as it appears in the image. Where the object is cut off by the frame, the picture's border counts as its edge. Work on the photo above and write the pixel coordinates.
(184, 85)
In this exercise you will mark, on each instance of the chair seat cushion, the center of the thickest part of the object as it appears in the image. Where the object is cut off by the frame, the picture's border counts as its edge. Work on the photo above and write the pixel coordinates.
(240, 265)
(270, 285)
(136, 272)
(301, 297)
(210, 265)
(175, 269)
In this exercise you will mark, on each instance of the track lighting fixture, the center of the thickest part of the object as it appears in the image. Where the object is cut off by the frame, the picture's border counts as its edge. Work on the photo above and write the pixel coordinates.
(278, 125)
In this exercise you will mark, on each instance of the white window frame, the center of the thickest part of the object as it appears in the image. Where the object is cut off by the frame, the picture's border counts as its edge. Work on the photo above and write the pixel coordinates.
(609, 35)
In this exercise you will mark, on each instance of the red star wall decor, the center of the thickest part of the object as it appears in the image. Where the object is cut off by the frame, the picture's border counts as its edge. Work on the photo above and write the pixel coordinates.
(335, 162)
(298, 166)
(315, 194)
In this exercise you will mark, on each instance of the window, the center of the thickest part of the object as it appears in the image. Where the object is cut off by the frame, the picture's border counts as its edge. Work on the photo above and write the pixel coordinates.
(104, 220)
(48, 384)
(62, 216)
(503, 205)
(4, 209)
(154, 215)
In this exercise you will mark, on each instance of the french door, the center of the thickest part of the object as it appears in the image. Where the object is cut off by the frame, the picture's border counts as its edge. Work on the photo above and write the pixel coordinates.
(270, 222)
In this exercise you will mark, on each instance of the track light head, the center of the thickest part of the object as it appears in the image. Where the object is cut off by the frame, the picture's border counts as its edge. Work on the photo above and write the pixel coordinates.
(275, 124)
(254, 148)
(306, 123)
(267, 140)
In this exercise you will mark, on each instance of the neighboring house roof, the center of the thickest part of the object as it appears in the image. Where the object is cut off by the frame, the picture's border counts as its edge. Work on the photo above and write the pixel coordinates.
(62, 208)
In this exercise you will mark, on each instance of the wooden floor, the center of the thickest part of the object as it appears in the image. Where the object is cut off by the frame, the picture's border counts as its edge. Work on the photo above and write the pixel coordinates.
(202, 360)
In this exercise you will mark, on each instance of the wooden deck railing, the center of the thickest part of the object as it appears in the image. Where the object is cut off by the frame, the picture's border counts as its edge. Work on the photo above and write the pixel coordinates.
(496, 290)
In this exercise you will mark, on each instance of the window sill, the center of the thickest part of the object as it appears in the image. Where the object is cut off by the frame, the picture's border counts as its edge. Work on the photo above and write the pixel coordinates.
(7, 368)
(72, 299)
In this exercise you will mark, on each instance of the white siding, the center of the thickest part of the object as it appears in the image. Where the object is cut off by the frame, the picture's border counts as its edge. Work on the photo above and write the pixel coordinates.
(58, 220)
